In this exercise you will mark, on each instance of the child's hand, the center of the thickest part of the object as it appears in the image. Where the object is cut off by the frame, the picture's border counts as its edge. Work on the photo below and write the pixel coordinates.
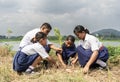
(85, 69)
(60, 51)
(73, 60)
(55, 66)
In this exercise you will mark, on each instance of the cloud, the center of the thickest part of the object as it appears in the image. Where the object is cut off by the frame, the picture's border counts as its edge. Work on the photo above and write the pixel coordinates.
(59, 6)
(29, 14)
(8, 6)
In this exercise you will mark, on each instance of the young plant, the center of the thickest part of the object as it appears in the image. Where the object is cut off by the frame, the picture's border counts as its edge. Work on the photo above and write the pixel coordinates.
(9, 31)
(58, 35)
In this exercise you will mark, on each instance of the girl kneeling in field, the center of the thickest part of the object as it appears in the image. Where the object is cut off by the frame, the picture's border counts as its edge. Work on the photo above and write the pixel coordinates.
(29, 56)
(68, 50)
(90, 50)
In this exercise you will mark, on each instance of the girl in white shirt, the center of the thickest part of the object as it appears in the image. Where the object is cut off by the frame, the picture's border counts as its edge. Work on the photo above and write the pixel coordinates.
(29, 56)
(90, 50)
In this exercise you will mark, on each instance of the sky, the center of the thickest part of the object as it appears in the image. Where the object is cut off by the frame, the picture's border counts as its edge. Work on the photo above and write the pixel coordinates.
(21, 16)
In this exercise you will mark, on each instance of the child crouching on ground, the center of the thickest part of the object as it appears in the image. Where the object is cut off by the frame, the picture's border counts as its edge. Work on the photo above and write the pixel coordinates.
(29, 56)
(90, 50)
(68, 50)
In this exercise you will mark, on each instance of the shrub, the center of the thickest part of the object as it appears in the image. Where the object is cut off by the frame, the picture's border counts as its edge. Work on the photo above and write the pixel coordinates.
(6, 50)
(114, 54)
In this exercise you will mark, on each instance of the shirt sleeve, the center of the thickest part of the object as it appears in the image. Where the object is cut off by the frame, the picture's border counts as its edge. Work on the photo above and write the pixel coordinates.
(41, 51)
(94, 44)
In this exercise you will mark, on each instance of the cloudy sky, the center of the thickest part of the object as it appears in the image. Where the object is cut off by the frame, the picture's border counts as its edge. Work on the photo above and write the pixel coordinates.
(23, 15)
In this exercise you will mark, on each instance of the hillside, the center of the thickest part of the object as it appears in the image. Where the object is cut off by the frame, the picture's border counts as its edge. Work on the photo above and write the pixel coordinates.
(107, 32)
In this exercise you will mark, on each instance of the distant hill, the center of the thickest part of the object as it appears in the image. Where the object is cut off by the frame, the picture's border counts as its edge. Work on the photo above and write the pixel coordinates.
(107, 32)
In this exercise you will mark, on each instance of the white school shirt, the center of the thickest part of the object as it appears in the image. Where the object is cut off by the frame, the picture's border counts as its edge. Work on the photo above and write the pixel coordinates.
(35, 48)
(90, 42)
(28, 36)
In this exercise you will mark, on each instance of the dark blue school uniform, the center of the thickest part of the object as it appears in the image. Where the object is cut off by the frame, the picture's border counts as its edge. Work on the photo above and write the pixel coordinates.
(85, 54)
(47, 48)
(68, 52)
(22, 61)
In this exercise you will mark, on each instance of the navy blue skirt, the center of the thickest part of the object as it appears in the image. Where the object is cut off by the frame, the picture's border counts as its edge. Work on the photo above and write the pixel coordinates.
(22, 61)
(66, 55)
(85, 54)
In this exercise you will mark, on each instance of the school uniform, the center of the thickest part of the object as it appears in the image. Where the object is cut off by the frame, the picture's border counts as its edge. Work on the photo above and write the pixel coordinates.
(28, 37)
(26, 56)
(86, 48)
(68, 52)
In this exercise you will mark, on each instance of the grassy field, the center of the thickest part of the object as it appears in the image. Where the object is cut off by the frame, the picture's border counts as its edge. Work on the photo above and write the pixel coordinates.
(60, 75)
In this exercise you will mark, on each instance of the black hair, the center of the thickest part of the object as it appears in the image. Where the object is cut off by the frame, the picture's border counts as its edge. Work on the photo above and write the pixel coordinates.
(38, 36)
(47, 25)
(71, 38)
(80, 29)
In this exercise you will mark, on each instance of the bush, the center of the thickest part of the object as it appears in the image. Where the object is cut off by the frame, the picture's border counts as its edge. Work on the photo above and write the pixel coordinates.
(6, 50)
(114, 54)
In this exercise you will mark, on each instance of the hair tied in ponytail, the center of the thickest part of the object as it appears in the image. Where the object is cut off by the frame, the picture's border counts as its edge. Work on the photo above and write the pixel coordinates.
(33, 40)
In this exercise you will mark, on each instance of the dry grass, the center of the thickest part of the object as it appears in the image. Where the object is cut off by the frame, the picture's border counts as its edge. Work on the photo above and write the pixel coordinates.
(6, 51)
(56, 75)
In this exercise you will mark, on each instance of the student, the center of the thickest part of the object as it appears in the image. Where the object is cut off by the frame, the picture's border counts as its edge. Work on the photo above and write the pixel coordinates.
(29, 56)
(45, 28)
(68, 50)
(90, 50)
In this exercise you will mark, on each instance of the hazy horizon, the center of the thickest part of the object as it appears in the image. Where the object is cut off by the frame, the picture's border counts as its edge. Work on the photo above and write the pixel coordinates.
(52, 33)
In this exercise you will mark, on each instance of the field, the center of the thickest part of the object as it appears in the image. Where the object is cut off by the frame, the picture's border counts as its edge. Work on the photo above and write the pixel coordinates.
(111, 74)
